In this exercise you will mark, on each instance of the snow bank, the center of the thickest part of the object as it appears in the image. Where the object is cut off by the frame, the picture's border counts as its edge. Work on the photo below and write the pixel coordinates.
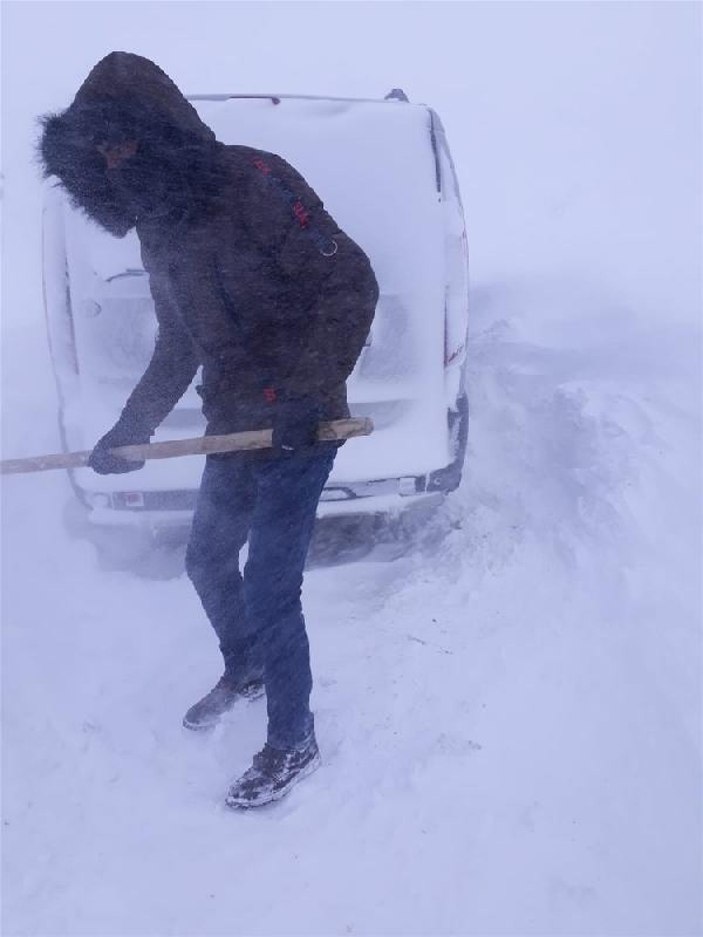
(510, 709)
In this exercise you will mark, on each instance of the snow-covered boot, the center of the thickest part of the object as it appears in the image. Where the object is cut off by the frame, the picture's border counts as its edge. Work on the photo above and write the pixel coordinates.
(272, 774)
(206, 712)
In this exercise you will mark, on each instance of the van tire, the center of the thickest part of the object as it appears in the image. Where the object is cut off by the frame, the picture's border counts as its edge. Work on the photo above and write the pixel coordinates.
(131, 549)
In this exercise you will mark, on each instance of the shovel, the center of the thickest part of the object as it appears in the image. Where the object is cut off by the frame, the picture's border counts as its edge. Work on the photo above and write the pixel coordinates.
(200, 445)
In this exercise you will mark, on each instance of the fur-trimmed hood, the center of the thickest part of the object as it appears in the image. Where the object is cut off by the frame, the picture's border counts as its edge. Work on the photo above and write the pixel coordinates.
(126, 96)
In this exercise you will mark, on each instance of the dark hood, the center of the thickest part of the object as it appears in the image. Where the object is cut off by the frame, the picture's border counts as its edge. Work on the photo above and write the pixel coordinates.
(126, 96)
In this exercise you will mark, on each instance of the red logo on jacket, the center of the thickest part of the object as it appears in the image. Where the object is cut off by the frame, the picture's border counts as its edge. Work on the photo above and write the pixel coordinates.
(300, 212)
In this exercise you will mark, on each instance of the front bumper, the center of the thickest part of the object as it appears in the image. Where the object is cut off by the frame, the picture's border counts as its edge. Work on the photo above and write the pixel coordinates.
(164, 520)
(162, 509)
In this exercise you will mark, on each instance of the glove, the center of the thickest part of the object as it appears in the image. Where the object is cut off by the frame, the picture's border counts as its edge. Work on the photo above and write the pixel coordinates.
(126, 432)
(295, 425)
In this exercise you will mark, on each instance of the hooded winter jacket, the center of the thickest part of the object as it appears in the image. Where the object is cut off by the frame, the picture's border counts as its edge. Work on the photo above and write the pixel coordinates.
(250, 276)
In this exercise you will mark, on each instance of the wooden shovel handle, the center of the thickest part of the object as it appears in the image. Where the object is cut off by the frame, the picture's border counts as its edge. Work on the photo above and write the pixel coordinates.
(200, 445)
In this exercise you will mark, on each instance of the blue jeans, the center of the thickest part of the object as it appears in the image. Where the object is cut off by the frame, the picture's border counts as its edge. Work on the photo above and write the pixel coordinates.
(258, 616)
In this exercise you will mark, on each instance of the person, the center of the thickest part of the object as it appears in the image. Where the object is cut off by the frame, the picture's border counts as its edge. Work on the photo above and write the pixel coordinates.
(253, 281)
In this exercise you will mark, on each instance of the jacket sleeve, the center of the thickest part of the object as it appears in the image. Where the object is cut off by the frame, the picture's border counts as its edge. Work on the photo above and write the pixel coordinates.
(173, 364)
(288, 221)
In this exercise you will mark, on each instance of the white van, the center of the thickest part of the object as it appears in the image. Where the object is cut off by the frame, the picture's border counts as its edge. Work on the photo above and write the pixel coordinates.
(384, 172)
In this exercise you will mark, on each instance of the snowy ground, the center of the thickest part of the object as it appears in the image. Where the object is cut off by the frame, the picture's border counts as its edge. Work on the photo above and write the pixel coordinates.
(509, 713)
